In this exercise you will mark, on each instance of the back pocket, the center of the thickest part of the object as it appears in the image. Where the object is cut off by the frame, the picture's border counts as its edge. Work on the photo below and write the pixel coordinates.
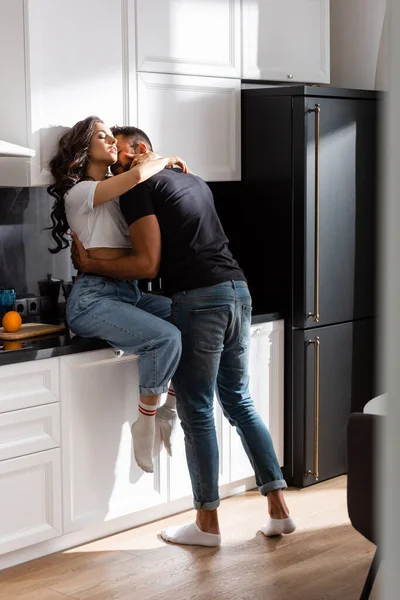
(209, 326)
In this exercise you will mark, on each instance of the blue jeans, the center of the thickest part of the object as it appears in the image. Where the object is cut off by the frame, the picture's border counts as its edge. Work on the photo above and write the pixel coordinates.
(215, 326)
(118, 312)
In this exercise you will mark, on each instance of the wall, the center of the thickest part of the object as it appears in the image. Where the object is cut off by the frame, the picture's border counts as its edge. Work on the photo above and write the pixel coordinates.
(24, 242)
(358, 44)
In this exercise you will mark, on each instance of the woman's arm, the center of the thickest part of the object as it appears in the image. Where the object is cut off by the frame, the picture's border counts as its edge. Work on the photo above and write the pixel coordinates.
(113, 187)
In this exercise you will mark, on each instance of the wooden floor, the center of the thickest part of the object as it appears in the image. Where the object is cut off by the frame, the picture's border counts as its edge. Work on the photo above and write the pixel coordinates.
(324, 560)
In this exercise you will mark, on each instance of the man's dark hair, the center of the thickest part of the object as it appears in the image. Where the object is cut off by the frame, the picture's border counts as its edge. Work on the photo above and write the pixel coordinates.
(136, 136)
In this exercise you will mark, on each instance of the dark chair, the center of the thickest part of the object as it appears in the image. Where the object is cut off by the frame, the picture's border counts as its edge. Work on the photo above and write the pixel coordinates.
(362, 434)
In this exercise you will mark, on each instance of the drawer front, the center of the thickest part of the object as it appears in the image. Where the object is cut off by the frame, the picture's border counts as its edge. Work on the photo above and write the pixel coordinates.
(29, 430)
(29, 384)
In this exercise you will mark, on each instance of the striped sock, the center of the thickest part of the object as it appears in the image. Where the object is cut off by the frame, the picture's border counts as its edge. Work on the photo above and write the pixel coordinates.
(143, 431)
(166, 420)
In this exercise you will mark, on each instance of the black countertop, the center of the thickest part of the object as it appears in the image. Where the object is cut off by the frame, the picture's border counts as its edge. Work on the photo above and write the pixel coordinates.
(63, 344)
(254, 88)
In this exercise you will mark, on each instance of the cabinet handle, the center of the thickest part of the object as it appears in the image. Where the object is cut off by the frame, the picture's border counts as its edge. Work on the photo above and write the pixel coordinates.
(315, 472)
(315, 315)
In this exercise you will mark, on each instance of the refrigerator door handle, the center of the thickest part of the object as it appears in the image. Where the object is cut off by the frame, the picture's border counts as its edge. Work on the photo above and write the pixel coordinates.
(315, 315)
(315, 471)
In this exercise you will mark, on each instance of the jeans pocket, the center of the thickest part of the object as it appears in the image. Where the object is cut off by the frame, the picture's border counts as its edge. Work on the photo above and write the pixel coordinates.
(245, 323)
(209, 326)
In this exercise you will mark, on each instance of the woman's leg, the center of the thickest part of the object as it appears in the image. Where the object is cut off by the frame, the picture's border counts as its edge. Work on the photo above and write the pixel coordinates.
(100, 308)
(166, 415)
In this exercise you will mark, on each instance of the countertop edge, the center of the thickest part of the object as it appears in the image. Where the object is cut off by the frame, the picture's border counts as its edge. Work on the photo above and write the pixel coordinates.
(76, 345)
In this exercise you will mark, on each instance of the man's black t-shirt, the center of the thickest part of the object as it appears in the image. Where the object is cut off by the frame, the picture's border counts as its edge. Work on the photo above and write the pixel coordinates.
(195, 249)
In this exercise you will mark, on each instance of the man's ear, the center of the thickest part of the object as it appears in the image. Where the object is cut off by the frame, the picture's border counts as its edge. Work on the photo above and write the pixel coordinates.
(141, 148)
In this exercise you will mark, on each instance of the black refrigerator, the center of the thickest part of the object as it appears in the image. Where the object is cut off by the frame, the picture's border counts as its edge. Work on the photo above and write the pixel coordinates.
(303, 225)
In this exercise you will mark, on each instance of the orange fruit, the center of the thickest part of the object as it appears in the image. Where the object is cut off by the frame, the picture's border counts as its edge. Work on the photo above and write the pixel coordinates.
(11, 321)
(9, 345)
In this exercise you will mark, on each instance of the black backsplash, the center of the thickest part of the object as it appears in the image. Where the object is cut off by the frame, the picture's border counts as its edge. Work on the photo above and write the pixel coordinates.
(24, 242)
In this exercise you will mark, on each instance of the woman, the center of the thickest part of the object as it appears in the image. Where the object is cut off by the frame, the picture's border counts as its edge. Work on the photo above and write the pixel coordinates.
(87, 202)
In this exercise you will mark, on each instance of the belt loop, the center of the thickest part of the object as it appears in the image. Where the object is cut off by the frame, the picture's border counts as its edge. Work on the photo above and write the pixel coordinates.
(234, 285)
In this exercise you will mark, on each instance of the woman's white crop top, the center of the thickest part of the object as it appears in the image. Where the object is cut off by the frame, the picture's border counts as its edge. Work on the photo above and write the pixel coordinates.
(101, 226)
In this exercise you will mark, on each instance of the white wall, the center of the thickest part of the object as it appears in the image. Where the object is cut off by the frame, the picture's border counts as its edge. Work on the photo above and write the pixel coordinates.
(357, 44)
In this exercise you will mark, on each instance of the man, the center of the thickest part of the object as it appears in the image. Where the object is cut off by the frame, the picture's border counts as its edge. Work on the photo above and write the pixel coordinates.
(178, 233)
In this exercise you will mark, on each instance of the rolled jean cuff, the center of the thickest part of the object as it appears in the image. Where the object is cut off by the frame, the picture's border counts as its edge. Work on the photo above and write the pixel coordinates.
(279, 484)
(153, 391)
(206, 505)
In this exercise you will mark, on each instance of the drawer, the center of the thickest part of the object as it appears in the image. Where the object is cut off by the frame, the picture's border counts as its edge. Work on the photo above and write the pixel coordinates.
(29, 384)
(29, 430)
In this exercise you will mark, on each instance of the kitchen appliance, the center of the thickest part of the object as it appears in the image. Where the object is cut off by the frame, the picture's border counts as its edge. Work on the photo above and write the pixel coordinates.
(302, 224)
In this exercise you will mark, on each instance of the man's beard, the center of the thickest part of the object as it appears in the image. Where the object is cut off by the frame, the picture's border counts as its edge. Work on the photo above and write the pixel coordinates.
(117, 168)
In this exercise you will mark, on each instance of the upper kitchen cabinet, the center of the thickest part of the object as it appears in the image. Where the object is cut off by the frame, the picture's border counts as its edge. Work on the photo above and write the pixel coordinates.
(59, 63)
(286, 40)
(195, 117)
(76, 68)
(189, 37)
(13, 125)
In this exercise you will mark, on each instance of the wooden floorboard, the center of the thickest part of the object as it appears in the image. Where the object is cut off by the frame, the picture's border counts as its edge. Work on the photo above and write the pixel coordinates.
(326, 559)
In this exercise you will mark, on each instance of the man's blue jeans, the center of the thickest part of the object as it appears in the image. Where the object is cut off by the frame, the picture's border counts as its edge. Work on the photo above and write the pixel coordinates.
(215, 326)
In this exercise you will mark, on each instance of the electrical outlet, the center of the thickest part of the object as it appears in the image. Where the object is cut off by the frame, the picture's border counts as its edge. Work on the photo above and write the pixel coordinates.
(33, 305)
(21, 306)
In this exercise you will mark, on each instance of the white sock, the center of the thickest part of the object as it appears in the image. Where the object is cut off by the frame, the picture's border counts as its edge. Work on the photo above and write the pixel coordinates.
(166, 421)
(143, 432)
(190, 535)
(279, 527)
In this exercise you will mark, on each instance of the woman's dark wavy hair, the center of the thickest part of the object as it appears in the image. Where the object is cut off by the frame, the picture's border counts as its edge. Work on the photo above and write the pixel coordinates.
(68, 167)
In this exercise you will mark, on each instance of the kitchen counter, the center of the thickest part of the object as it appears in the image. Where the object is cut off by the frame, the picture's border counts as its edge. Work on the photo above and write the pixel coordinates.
(63, 344)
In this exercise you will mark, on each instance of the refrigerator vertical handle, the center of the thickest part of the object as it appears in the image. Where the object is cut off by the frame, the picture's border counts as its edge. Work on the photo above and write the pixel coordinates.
(315, 315)
(315, 471)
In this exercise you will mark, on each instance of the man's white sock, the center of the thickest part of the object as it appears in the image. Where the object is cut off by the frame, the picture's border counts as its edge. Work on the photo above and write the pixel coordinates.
(143, 431)
(190, 535)
(279, 527)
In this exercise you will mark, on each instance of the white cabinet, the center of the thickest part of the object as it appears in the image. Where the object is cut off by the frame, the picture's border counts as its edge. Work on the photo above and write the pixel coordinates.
(267, 391)
(286, 40)
(61, 62)
(13, 122)
(189, 37)
(29, 430)
(28, 384)
(197, 118)
(76, 69)
(30, 500)
(99, 400)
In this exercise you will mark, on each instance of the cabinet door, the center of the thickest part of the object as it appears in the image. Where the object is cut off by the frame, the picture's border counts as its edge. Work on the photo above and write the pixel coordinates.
(327, 380)
(77, 67)
(30, 500)
(101, 480)
(286, 40)
(13, 171)
(267, 391)
(336, 258)
(197, 118)
(171, 37)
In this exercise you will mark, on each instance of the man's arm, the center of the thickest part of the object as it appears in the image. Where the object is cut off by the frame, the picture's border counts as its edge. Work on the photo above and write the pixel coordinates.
(143, 264)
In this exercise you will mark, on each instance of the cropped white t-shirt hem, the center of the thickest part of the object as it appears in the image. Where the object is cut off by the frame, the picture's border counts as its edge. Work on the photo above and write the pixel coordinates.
(101, 226)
